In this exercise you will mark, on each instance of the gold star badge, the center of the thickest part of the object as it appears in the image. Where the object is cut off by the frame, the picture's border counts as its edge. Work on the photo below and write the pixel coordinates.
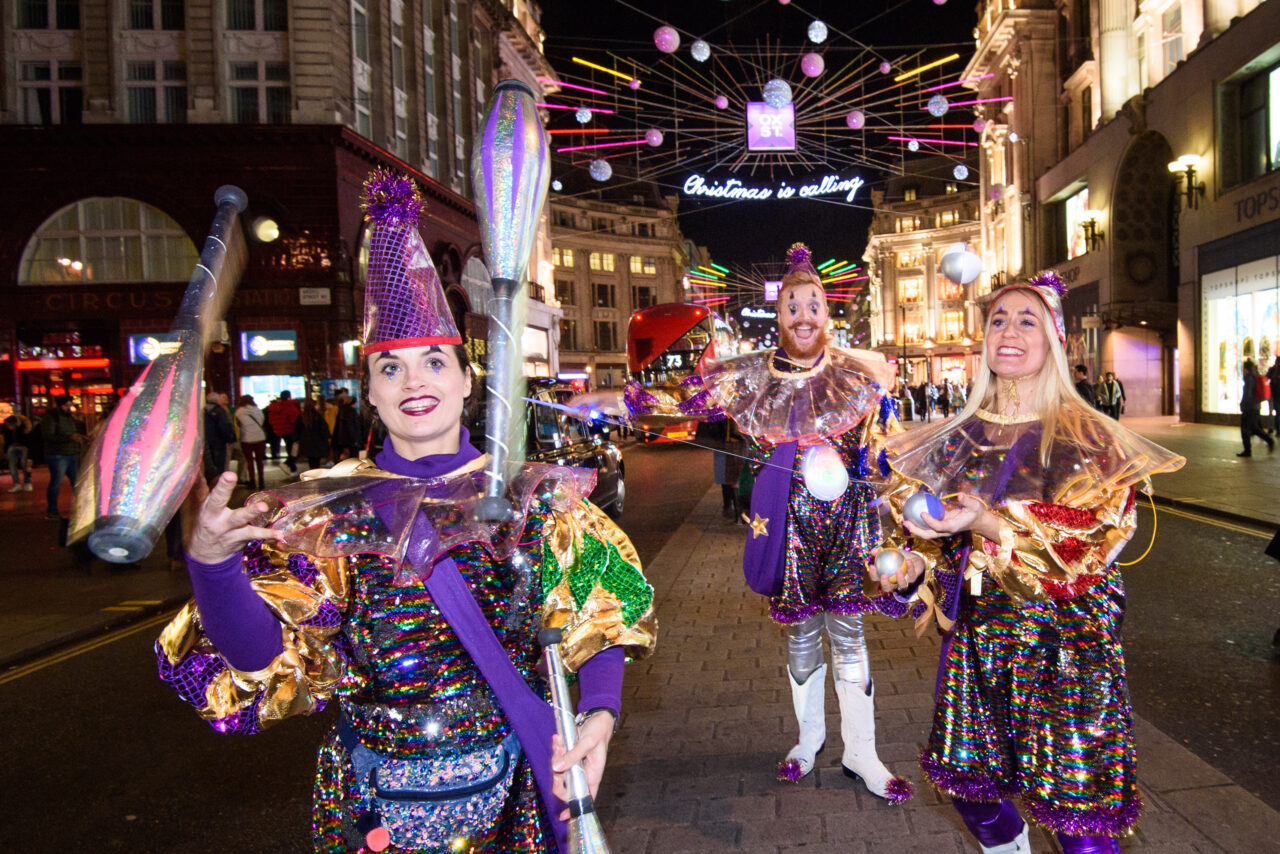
(758, 527)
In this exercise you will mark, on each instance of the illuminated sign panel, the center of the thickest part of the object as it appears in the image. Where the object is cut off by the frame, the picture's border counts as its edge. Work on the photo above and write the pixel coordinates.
(771, 288)
(145, 348)
(277, 345)
(771, 128)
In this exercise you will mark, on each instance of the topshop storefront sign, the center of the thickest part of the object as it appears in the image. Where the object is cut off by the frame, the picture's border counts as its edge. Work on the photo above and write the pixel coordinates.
(829, 185)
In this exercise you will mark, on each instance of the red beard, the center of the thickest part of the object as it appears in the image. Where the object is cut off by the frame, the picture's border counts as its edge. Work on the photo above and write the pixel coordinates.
(801, 352)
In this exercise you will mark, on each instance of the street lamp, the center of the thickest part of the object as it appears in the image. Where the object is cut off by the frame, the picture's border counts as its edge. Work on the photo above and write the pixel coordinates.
(1185, 168)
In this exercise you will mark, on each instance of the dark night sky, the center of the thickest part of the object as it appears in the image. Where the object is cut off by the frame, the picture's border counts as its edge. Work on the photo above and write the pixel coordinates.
(740, 233)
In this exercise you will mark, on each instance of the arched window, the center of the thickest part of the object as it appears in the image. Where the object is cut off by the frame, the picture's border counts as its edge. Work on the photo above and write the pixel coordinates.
(98, 240)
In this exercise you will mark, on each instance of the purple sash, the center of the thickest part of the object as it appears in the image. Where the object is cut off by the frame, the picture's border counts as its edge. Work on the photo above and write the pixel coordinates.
(765, 556)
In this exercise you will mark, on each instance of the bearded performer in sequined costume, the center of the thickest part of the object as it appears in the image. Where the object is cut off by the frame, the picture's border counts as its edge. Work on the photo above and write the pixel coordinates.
(374, 585)
(816, 417)
(1021, 574)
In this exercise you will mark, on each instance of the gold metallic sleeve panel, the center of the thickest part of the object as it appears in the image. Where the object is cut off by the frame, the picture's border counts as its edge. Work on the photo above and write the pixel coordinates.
(896, 490)
(308, 669)
(593, 586)
(1056, 545)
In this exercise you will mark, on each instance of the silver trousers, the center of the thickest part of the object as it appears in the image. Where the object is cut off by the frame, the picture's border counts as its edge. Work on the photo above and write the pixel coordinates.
(848, 648)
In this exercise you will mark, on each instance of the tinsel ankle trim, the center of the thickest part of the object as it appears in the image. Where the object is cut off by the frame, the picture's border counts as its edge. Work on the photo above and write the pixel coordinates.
(1100, 821)
(960, 785)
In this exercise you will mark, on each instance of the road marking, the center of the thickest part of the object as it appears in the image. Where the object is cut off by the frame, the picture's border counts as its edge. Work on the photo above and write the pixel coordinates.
(1218, 523)
(87, 646)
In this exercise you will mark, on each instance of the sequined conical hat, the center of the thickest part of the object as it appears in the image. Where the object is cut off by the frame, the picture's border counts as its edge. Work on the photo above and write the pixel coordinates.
(404, 303)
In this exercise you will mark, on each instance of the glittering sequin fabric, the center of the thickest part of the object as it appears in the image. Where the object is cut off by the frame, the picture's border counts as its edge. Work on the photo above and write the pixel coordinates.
(411, 690)
(1033, 702)
(828, 544)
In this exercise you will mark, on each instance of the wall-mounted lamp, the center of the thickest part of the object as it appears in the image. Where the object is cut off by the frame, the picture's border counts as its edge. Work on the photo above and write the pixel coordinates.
(1184, 169)
(1093, 235)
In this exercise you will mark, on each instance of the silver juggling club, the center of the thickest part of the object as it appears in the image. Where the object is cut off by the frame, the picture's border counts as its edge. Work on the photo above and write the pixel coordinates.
(510, 172)
(585, 833)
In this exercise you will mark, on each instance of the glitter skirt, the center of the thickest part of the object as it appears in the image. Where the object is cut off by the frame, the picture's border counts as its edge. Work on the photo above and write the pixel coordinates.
(826, 557)
(522, 827)
(1032, 702)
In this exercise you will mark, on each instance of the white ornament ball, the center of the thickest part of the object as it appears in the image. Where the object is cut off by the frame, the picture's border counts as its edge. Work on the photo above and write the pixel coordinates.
(556, 185)
(700, 50)
(824, 473)
(666, 39)
(1013, 136)
(938, 105)
(961, 171)
(817, 32)
(913, 146)
(600, 170)
(856, 119)
(890, 561)
(583, 115)
(777, 93)
(962, 267)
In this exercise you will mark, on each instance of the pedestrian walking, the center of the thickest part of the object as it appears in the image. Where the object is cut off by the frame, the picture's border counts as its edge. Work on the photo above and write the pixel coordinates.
(282, 415)
(944, 398)
(311, 434)
(443, 740)
(218, 436)
(253, 440)
(1084, 388)
(1031, 696)
(1250, 421)
(16, 431)
(1273, 383)
(63, 439)
(346, 427)
(1110, 395)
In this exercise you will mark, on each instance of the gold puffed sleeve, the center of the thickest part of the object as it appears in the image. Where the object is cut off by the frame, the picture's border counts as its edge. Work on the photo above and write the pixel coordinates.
(593, 586)
(1046, 548)
(309, 602)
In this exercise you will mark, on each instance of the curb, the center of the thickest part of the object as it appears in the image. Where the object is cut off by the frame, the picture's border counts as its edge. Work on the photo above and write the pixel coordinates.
(1215, 512)
(30, 654)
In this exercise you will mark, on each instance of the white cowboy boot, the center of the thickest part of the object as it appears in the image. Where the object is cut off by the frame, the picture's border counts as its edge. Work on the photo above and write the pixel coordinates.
(858, 729)
(1021, 845)
(809, 699)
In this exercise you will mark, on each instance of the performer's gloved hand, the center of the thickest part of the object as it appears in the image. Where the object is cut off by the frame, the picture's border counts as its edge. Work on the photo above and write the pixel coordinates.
(594, 735)
(970, 515)
(211, 531)
(607, 402)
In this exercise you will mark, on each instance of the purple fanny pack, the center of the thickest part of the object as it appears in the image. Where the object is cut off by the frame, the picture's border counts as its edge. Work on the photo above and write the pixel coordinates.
(765, 555)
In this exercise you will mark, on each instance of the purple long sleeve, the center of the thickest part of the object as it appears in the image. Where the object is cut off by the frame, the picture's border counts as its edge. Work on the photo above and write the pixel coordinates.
(236, 620)
(600, 681)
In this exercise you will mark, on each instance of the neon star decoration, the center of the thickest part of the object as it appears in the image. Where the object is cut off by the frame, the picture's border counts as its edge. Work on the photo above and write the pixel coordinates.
(864, 109)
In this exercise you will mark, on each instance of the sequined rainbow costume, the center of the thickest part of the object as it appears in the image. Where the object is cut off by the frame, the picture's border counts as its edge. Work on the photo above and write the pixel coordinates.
(352, 629)
(1031, 697)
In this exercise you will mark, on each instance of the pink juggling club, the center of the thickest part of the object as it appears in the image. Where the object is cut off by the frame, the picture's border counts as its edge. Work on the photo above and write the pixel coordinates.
(145, 458)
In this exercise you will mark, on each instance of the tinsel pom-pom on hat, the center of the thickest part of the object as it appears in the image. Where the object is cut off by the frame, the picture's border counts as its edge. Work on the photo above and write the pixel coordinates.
(799, 260)
(404, 303)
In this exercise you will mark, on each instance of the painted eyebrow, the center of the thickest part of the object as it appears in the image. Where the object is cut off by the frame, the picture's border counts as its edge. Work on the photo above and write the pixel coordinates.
(385, 354)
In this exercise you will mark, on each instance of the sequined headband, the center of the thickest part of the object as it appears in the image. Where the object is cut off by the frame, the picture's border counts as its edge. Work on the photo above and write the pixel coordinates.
(1050, 289)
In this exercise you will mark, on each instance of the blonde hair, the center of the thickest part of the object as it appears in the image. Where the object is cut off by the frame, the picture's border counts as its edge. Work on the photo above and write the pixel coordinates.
(1055, 394)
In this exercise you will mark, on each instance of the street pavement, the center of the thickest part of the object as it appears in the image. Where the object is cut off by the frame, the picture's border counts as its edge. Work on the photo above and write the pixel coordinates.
(709, 713)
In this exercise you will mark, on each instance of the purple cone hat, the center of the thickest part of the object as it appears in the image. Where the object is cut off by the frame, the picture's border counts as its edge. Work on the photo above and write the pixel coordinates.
(404, 304)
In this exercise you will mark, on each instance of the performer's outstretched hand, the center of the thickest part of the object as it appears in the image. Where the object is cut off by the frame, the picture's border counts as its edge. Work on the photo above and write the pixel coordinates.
(212, 531)
(970, 515)
(911, 570)
(607, 402)
(592, 748)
